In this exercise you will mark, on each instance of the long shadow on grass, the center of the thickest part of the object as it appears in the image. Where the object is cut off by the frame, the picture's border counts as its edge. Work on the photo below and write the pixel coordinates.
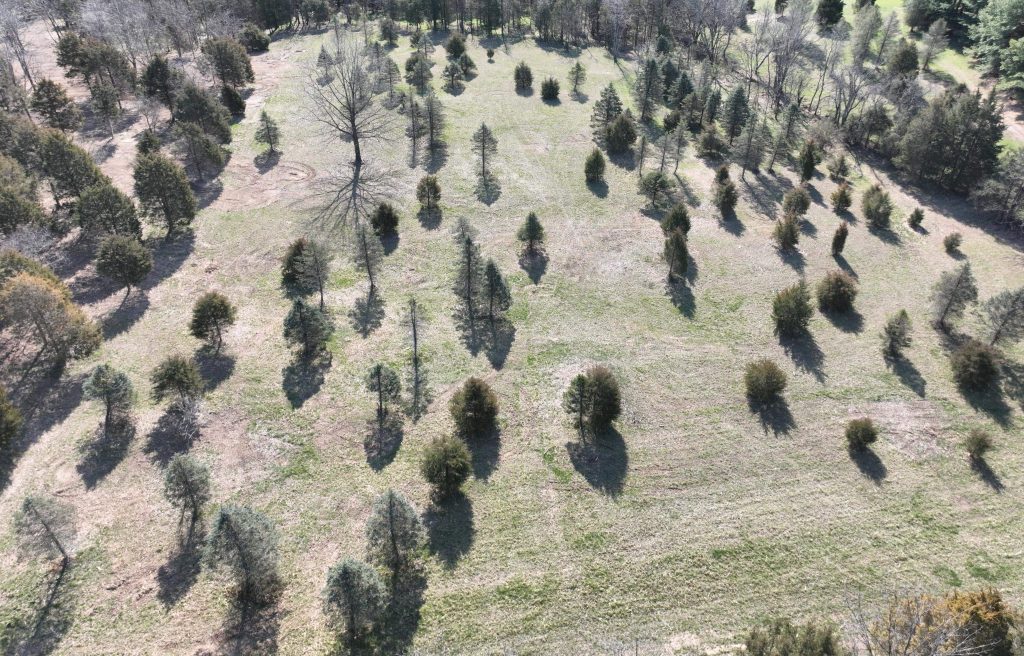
(215, 368)
(681, 296)
(485, 452)
(844, 265)
(171, 435)
(774, 415)
(436, 158)
(990, 401)
(450, 528)
(105, 451)
(981, 467)
(382, 441)
(488, 189)
(908, 374)
(602, 460)
(125, 315)
(303, 378)
(177, 576)
(731, 223)
(869, 464)
(43, 632)
(401, 618)
(850, 321)
(534, 265)
(498, 337)
(250, 628)
(367, 314)
(793, 257)
(429, 219)
(805, 354)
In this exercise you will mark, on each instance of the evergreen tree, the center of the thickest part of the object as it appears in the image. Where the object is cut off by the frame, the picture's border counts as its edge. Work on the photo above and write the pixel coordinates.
(676, 255)
(453, 77)
(114, 389)
(161, 81)
(367, 254)
(485, 145)
(808, 161)
(446, 465)
(677, 217)
(199, 106)
(69, 168)
(428, 193)
(621, 134)
(792, 310)
(309, 327)
(354, 598)
(531, 234)
(106, 101)
(736, 112)
(212, 314)
(104, 208)
(469, 281)
(593, 399)
(178, 376)
(51, 101)
(523, 77)
(829, 12)
(187, 487)
(228, 60)
(268, 133)
(496, 295)
(839, 238)
(383, 381)
(1003, 315)
(474, 408)
(951, 295)
(433, 118)
(124, 260)
(384, 220)
(593, 168)
(647, 88)
(198, 149)
(46, 527)
(896, 335)
(711, 106)
(244, 541)
(577, 76)
(750, 152)
(313, 268)
(607, 108)
(393, 533)
(163, 191)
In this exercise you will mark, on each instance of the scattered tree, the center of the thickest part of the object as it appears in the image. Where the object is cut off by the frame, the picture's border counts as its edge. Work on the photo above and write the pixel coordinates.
(383, 381)
(842, 198)
(46, 527)
(446, 465)
(975, 365)
(187, 487)
(309, 327)
(877, 207)
(393, 533)
(1003, 315)
(428, 193)
(839, 238)
(531, 234)
(178, 376)
(485, 145)
(523, 77)
(593, 168)
(860, 433)
(51, 101)
(474, 408)
(244, 541)
(354, 597)
(212, 314)
(549, 89)
(676, 254)
(977, 444)
(951, 295)
(836, 292)
(593, 399)
(103, 208)
(114, 389)
(124, 260)
(577, 76)
(764, 380)
(791, 310)
(896, 335)
(163, 191)
(268, 133)
(367, 254)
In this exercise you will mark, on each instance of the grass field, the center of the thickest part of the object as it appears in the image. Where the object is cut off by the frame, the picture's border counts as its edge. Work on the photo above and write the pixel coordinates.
(694, 519)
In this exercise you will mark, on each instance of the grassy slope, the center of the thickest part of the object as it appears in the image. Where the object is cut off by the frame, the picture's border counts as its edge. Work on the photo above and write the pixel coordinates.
(717, 519)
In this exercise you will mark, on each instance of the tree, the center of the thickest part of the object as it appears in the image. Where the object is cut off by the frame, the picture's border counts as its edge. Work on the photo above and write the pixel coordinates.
(916, 218)
(187, 487)
(383, 381)
(39, 307)
(736, 112)
(647, 90)
(51, 101)
(780, 637)
(903, 61)
(114, 389)
(896, 335)
(433, 118)
(428, 192)
(354, 597)
(676, 255)
(791, 310)
(523, 77)
(796, 201)
(200, 106)
(593, 399)
(267, 132)
(469, 280)
(1003, 315)
(105, 99)
(254, 38)
(163, 191)
(453, 77)
(866, 23)
(474, 408)
(829, 12)
(975, 365)
(620, 134)
(839, 238)
(11, 422)
(179, 376)
(593, 168)
(244, 541)
(549, 89)
(161, 81)
(346, 106)
(313, 268)
(228, 60)
(103, 208)
(860, 433)
(531, 234)
(446, 465)
(45, 527)
(750, 152)
(935, 42)
(607, 108)
(124, 260)
(1001, 196)
(384, 220)
(456, 46)
(308, 327)
(951, 295)
(808, 160)
(577, 76)
(69, 168)
(836, 292)
(877, 207)
(496, 295)
(787, 232)
(367, 254)
(394, 533)
(841, 198)
(485, 145)
(212, 314)
(198, 149)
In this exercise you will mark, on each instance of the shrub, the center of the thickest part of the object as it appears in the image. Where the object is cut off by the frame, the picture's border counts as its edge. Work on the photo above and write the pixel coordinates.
(839, 238)
(177, 375)
(796, 201)
(446, 465)
(428, 192)
(791, 310)
(710, 144)
(952, 242)
(975, 365)
(456, 46)
(722, 174)
(655, 186)
(896, 334)
(860, 433)
(212, 314)
(916, 218)
(124, 260)
(877, 207)
(671, 120)
(490, 54)
(764, 380)
(808, 159)
(836, 292)
(726, 197)
(677, 217)
(838, 169)
(620, 134)
(254, 38)
(384, 220)
(984, 619)
(523, 77)
(549, 89)
(977, 443)
(474, 408)
(232, 100)
(781, 638)
(787, 232)
(842, 198)
(593, 168)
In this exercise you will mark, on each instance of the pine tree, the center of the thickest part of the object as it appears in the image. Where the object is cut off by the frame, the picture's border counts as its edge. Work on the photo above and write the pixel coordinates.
(896, 335)
(198, 148)
(244, 542)
(469, 281)
(104, 208)
(114, 389)
(177, 375)
(839, 238)
(606, 109)
(750, 152)
(1003, 315)
(383, 381)
(736, 112)
(446, 465)
(433, 118)
(951, 295)
(676, 255)
(593, 167)
(187, 487)
(51, 101)
(485, 145)
(46, 526)
(267, 132)
(647, 88)
(367, 254)
(212, 314)
(354, 598)
(577, 76)
(829, 12)
(313, 268)
(495, 295)
(163, 191)
(124, 260)
(308, 327)
(808, 160)
(531, 234)
(393, 533)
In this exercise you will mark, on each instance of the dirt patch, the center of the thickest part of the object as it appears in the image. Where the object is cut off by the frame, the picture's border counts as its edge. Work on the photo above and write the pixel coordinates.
(244, 456)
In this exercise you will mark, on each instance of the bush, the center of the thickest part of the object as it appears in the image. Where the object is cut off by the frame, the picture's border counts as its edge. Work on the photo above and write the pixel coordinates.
(474, 408)
(254, 38)
(836, 292)
(916, 218)
(842, 198)
(593, 168)
(677, 217)
(290, 262)
(726, 197)
(446, 465)
(860, 433)
(787, 232)
(671, 120)
(523, 77)
(232, 100)
(490, 54)
(428, 192)
(384, 220)
(977, 443)
(896, 334)
(620, 134)
(839, 238)
(710, 144)
(549, 89)
(782, 638)
(796, 201)
(791, 310)
(764, 380)
(877, 207)
(975, 365)
(952, 242)
(838, 169)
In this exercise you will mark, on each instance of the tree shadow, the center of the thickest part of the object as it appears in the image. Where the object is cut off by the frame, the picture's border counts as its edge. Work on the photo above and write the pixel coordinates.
(105, 451)
(731, 223)
(1012, 375)
(250, 628)
(51, 619)
(579, 97)
(429, 219)
(850, 321)
(207, 192)
(793, 257)
(991, 402)
(389, 243)
(177, 576)
(534, 265)
(168, 256)
(808, 228)
(525, 93)
(844, 265)
(805, 354)
(437, 158)
(450, 529)
(485, 452)
(125, 315)
(401, 618)
(602, 460)
(367, 314)
(488, 189)
(886, 235)
(764, 197)
(91, 288)
(598, 188)
(981, 467)
(682, 297)
(869, 464)
(383, 440)
(624, 160)
(552, 102)
(170, 436)
(303, 378)
(908, 374)
(498, 337)
(215, 368)
(266, 160)
(773, 415)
